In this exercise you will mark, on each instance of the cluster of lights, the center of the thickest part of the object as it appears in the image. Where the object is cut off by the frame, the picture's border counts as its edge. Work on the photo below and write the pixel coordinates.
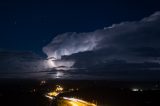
(59, 88)
(54, 93)
(136, 89)
(73, 89)
(43, 82)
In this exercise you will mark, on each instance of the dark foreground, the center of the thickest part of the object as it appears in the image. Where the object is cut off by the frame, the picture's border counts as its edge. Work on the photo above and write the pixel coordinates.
(102, 93)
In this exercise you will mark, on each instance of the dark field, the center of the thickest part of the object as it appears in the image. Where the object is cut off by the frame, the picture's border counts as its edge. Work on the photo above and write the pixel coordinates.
(103, 93)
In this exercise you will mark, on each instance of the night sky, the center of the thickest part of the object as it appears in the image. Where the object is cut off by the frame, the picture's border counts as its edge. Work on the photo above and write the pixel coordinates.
(28, 29)
(31, 24)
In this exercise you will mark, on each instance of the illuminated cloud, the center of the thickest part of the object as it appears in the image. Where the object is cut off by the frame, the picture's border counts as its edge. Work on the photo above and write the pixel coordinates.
(67, 44)
(70, 43)
(127, 46)
(121, 39)
(60, 64)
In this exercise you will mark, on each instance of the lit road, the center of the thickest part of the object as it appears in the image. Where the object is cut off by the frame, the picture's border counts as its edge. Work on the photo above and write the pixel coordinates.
(65, 101)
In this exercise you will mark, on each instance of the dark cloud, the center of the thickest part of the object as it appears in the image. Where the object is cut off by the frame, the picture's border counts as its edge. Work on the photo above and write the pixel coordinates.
(19, 63)
(127, 49)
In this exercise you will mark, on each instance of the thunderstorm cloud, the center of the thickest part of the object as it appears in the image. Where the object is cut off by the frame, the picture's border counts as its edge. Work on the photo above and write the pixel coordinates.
(127, 50)
(128, 47)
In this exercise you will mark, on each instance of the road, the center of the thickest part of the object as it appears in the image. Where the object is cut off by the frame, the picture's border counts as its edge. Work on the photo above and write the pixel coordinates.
(65, 101)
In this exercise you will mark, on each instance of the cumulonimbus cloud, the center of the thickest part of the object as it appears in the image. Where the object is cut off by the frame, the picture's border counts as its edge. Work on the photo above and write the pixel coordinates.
(119, 41)
(70, 43)
(127, 49)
